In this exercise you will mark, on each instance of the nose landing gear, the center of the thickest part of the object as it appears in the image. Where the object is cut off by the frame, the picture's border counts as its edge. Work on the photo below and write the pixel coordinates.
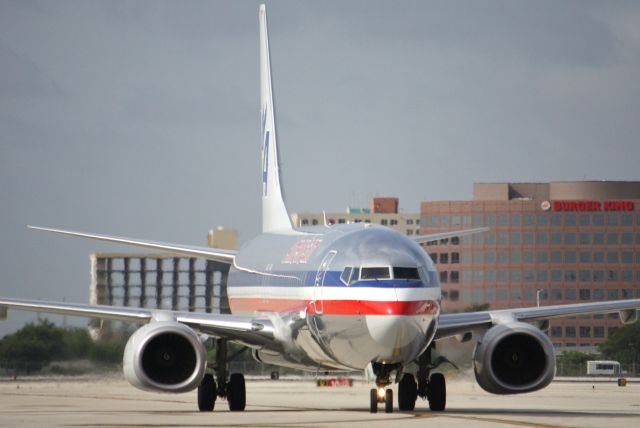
(382, 394)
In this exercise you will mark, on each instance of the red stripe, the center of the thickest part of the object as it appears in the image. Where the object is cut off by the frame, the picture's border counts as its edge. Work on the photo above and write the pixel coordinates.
(335, 307)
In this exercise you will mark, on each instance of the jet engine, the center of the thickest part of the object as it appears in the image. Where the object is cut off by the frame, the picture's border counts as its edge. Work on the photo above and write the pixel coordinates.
(164, 356)
(514, 358)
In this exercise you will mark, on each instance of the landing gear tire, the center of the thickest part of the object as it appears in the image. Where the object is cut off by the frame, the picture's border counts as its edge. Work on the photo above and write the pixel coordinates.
(407, 392)
(236, 392)
(207, 393)
(373, 403)
(437, 392)
(388, 401)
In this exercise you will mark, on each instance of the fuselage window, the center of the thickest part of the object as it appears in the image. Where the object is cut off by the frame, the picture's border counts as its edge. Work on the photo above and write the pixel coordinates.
(408, 273)
(346, 275)
(375, 273)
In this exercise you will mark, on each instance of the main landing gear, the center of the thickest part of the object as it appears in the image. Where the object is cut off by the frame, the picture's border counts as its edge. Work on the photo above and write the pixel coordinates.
(428, 386)
(230, 387)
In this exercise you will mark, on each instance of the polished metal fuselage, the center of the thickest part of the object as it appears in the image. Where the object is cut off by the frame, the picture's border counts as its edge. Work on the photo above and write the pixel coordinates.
(321, 321)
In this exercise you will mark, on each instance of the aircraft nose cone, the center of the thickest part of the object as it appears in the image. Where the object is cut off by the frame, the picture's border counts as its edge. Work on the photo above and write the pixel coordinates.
(393, 331)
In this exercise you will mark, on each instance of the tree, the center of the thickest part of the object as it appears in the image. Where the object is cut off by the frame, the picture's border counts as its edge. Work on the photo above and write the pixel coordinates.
(623, 345)
(32, 347)
(477, 307)
(573, 363)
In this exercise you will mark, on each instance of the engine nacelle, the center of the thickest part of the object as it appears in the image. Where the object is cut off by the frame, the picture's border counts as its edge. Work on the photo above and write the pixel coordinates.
(514, 358)
(164, 356)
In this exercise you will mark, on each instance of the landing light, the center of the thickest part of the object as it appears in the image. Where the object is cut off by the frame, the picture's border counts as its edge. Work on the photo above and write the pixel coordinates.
(381, 392)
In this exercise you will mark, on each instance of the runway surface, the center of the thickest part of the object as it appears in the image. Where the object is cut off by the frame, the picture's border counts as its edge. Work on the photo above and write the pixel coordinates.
(285, 403)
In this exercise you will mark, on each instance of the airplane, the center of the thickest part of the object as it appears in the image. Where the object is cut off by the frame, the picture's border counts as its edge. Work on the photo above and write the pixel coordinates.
(331, 298)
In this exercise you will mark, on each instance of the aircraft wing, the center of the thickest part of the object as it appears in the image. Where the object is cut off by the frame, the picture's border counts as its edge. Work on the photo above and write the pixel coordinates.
(460, 323)
(248, 330)
(423, 239)
(220, 255)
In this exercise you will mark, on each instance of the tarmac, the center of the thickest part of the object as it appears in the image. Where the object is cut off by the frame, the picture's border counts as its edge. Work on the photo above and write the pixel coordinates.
(112, 402)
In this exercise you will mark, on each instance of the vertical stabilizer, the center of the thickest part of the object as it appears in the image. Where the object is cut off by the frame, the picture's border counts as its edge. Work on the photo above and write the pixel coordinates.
(274, 211)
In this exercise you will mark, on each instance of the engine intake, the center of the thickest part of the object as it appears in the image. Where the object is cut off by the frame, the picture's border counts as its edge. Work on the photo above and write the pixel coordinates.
(514, 358)
(164, 356)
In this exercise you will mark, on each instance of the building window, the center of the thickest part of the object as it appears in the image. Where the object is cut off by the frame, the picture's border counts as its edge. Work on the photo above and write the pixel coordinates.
(305, 222)
(409, 221)
(570, 220)
(570, 331)
(612, 219)
(542, 276)
(455, 240)
(529, 219)
(455, 258)
(516, 257)
(598, 220)
(598, 276)
(393, 222)
(585, 256)
(585, 331)
(556, 257)
(570, 276)
(626, 220)
(314, 222)
(444, 276)
(527, 257)
(527, 238)
(454, 295)
(455, 277)
(515, 238)
(409, 231)
(585, 275)
(585, 220)
(556, 220)
(598, 257)
(556, 294)
(612, 239)
(612, 294)
(444, 258)
(384, 222)
(570, 257)
(627, 276)
(542, 257)
(503, 239)
(543, 219)
(570, 293)
(585, 294)
(612, 276)
(556, 275)
(478, 220)
(598, 238)
(570, 239)
(598, 294)
(341, 221)
(542, 238)
(626, 239)
(556, 238)
(503, 258)
(515, 220)
(612, 257)
(556, 331)
(585, 239)
(503, 220)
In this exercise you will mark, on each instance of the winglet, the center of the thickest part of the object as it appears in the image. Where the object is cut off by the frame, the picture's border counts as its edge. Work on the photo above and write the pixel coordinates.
(274, 210)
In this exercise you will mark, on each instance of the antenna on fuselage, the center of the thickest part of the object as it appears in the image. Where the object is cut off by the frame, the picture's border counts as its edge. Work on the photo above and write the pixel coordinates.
(274, 210)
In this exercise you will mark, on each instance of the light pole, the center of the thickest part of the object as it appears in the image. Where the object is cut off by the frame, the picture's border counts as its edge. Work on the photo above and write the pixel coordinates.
(538, 291)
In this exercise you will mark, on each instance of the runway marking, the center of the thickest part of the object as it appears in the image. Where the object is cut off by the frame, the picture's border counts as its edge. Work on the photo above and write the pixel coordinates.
(493, 420)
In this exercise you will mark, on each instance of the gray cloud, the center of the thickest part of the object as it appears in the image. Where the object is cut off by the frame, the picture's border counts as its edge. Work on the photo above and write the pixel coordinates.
(141, 118)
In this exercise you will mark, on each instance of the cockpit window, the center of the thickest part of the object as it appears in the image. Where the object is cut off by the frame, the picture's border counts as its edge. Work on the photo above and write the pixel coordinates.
(408, 273)
(375, 273)
(346, 275)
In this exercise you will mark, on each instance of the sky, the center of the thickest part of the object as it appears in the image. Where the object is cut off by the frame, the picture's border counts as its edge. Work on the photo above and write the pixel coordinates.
(141, 118)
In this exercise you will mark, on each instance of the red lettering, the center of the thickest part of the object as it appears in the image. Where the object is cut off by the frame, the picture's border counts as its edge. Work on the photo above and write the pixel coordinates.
(557, 206)
(629, 206)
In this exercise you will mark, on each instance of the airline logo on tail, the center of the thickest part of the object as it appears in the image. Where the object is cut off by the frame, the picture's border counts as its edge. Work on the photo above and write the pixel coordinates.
(265, 151)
